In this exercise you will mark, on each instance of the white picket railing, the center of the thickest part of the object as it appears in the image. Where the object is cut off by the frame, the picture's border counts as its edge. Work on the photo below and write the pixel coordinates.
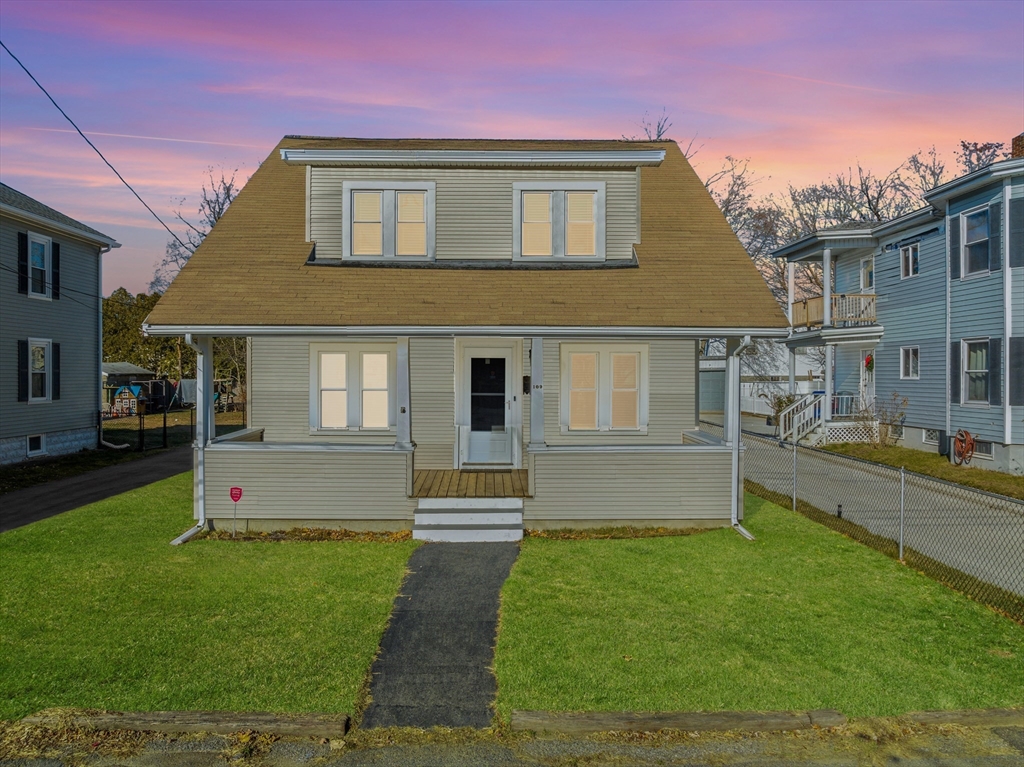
(802, 417)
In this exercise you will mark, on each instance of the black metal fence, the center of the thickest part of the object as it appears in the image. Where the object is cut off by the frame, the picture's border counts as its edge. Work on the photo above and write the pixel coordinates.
(968, 539)
(155, 431)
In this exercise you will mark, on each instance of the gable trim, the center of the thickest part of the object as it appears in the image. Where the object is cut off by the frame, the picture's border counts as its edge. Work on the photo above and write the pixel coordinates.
(378, 157)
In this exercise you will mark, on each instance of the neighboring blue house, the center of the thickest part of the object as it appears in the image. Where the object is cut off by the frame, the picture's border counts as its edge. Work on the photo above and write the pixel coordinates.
(930, 305)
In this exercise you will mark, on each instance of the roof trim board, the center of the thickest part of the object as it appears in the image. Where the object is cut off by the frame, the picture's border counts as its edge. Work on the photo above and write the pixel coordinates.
(465, 330)
(71, 231)
(433, 157)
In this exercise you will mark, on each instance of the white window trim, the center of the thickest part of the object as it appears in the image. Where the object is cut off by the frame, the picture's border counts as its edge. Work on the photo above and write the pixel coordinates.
(964, 274)
(389, 218)
(29, 453)
(604, 385)
(924, 437)
(353, 380)
(911, 377)
(963, 374)
(908, 275)
(48, 344)
(558, 190)
(990, 456)
(867, 288)
(47, 242)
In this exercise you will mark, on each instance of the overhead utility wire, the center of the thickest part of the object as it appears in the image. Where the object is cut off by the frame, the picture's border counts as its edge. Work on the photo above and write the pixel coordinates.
(65, 289)
(87, 141)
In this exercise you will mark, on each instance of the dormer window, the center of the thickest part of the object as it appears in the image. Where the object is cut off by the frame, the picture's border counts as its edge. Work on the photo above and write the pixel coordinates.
(388, 219)
(558, 220)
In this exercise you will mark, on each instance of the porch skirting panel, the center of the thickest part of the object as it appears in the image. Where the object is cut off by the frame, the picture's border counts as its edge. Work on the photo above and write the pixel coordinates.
(310, 485)
(678, 488)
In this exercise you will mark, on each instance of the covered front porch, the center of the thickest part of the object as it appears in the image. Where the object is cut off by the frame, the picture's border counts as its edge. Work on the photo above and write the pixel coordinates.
(456, 483)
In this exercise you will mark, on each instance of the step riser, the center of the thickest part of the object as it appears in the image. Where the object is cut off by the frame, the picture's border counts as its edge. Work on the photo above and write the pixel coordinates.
(467, 536)
(468, 504)
(478, 518)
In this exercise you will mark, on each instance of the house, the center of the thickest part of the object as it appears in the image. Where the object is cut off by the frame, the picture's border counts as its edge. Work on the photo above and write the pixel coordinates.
(126, 400)
(930, 305)
(50, 329)
(466, 336)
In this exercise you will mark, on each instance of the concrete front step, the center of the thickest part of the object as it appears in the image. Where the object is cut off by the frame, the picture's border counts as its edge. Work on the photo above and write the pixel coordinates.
(466, 520)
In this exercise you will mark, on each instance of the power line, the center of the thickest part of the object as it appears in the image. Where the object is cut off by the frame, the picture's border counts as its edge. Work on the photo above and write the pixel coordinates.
(64, 289)
(87, 141)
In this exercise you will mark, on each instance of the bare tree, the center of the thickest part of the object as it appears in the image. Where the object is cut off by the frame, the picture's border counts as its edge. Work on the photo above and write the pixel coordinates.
(652, 131)
(928, 171)
(975, 155)
(214, 201)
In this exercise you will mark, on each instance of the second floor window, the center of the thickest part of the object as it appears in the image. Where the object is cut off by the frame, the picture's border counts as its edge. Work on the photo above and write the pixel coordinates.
(975, 252)
(910, 261)
(867, 274)
(388, 220)
(910, 362)
(976, 371)
(565, 220)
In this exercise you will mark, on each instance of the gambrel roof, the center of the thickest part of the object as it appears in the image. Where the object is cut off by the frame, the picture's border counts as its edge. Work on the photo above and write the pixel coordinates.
(254, 268)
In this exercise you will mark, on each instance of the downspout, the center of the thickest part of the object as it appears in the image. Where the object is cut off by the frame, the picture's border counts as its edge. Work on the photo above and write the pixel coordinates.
(99, 324)
(736, 427)
(200, 445)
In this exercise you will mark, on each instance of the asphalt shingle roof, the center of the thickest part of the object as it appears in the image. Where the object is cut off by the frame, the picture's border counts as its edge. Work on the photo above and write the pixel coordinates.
(21, 201)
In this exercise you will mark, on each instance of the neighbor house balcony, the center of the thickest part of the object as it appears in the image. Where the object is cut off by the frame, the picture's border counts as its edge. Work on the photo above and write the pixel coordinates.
(848, 310)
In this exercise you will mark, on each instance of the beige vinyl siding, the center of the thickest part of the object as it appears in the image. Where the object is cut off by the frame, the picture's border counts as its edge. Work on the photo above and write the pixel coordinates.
(432, 401)
(590, 486)
(308, 484)
(279, 391)
(672, 395)
(473, 215)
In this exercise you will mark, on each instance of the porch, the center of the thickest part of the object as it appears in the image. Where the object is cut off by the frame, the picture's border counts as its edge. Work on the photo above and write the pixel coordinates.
(455, 483)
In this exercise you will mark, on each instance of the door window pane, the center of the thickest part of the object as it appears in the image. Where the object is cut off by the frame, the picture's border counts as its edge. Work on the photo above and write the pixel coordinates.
(486, 393)
(536, 239)
(579, 224)
(411, 232)
(367, 230)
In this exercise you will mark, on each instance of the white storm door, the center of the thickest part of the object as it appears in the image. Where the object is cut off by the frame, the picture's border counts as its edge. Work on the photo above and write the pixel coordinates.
(867, 379)
(487, 404)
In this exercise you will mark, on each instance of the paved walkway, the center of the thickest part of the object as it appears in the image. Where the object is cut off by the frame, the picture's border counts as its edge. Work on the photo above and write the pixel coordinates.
(34, 503)
(434, 666)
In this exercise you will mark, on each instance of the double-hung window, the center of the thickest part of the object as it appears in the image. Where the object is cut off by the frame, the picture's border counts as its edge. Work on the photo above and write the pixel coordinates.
(976, 372)
(39, 249)
(558, 220)
(352, 387)
(910, 362)
(910, 265)
(976, 239)
(388, 219)
(39, 364)
(867, 275)
(604, 387)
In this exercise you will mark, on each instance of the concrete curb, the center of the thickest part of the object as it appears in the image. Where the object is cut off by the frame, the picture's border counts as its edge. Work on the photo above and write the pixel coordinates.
(588, 722)
(970, 717)
(218, 722)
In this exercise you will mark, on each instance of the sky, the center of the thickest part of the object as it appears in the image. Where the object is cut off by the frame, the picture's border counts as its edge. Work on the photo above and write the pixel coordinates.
(169, 89)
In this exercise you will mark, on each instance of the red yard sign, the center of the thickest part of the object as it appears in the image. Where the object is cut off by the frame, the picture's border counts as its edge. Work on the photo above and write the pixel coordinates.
(236, 494)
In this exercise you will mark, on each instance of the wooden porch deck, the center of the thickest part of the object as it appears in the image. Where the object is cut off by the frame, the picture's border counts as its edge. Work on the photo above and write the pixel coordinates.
(453, 483)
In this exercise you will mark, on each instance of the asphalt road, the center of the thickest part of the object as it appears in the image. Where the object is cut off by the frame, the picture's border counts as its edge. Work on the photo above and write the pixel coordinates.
(34, 503)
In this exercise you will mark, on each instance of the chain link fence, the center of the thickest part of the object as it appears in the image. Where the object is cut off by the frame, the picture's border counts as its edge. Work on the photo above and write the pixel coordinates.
(968, 539)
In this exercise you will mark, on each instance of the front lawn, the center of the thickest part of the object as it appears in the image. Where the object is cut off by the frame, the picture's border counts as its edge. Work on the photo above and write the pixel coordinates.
(801, 618)
(934, 465)
(98, 611)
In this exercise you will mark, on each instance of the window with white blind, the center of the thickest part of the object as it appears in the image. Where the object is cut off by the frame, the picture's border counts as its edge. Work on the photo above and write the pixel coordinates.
(558, 220)
(352, 387)
(604, 387)
(388, 219)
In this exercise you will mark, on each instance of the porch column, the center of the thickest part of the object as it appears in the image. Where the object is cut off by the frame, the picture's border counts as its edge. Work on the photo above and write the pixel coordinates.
(792, 371)
(403, 427)
(205, 424)
(791, 288)
(829, 353)
(731, 416)
(537, 393)
(826, 285)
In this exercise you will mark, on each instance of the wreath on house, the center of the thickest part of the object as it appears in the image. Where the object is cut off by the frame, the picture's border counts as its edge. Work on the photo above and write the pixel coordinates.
(869, 363)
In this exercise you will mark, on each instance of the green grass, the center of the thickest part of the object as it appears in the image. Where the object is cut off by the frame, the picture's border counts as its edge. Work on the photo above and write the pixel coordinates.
(801, 618)
(117, 431)
(97, 610)
(935, 465)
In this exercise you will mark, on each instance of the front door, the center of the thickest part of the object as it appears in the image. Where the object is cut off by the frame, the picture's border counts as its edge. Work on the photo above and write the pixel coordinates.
(867, 379)
(487, 406)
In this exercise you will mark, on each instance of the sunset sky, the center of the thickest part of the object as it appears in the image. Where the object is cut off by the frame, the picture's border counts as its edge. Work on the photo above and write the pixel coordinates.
(165, 90)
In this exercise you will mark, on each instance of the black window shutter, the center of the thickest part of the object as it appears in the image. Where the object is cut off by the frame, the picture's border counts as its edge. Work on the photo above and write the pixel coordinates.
(22, 371)
(995, 237)
(23, 262)
(54, 371)
(954, 372)
(995, 371)
(55, 271)
(1016, 221)
(954, 247)
(1015, 372)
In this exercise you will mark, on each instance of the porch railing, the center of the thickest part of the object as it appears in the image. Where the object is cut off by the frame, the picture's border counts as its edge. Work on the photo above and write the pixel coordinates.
(847, 309)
